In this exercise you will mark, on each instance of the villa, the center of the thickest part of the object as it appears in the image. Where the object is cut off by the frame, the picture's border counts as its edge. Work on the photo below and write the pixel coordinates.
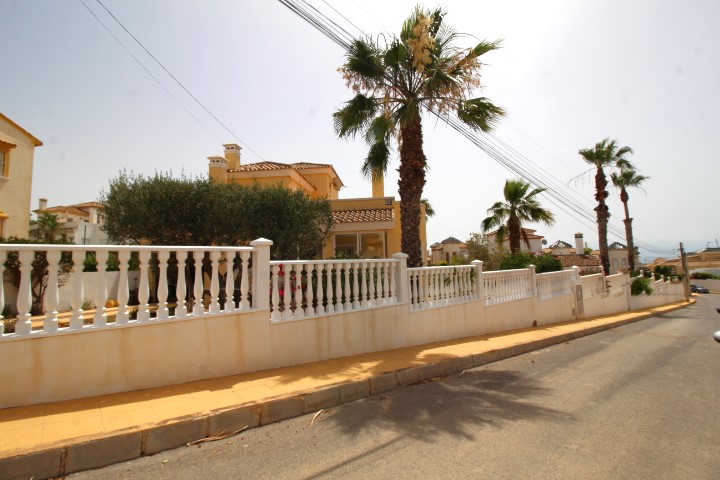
(363, 227)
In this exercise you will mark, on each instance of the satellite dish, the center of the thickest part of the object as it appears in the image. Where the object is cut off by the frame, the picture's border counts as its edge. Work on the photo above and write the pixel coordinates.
(544, 242)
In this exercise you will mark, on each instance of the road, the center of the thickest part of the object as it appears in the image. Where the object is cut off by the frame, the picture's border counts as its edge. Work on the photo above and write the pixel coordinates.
(635, 402)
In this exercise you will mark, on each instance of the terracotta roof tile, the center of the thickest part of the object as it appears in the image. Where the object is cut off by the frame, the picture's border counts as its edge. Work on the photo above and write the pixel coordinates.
(306, 165)
(363, 215)
(261, 166)
(579, 261)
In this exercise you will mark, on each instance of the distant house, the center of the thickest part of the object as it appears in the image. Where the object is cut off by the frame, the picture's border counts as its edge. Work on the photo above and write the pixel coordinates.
(707, 260)
(570, 256)
(534, 239)
(447, 249)
(364, 227)
(618, 255)
(82, 222)
(17, 150)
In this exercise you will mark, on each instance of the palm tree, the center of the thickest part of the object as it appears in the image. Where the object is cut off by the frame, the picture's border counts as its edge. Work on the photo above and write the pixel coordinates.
(395, 82)
(49, 229)
(429, 210)
(519, 206)
(624, 179)
(606, 154)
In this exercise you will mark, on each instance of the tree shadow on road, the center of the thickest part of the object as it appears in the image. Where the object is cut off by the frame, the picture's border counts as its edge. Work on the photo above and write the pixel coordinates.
(453, 405)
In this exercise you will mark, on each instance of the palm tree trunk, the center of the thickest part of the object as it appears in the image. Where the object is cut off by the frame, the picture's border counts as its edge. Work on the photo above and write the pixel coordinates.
(603, 215)
(628, 230)
(514, 233)
(411, 183)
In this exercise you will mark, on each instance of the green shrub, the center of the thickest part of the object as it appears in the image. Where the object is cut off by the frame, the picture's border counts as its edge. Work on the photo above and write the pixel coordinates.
(641, 285)
(703, 276)
(543, 263)
(516, 260)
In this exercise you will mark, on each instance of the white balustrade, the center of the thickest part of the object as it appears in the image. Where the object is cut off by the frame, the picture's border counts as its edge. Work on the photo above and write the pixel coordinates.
(555, 284)
(507, 285)
(66, 272)
(303, 289)
(439, 286)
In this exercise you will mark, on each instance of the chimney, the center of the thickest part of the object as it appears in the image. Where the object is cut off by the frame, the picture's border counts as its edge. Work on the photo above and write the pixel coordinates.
(42, 204)
(579, 244)
(232, 155)
(378, 186)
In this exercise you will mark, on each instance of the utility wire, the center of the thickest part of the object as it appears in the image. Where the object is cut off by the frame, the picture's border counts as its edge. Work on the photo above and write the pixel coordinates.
(176, 80)
(137, 60)
(503, 154)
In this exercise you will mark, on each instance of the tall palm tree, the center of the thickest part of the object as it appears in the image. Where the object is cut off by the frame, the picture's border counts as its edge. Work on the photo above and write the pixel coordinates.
(624, 179)
(398, 80)
(606, 154)
(519, 206)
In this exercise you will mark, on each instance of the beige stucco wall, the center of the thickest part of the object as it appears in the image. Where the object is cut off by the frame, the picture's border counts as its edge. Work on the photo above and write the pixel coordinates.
(116, 359)
(15, 189)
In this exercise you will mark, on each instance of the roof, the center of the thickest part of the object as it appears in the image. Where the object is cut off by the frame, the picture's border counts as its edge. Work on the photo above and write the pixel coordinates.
(435, 245)
(34, 139)
(579, 261)
(77, 209)
(528, 231)
(450, 240)
(363, 215)
(617, 246)
(560, 244)
(264, 166)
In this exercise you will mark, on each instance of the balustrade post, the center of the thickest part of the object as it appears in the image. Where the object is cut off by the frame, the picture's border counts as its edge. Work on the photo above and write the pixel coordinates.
(198, 287)
(214, 282)
(162, 290)
(479, 289)
(244, 279)
(24, 299)
(261, 273)
(230, 281)
(180, 285)
(51, 293)
(327, 268)
(123, 295)
(346, 304)
(356, 286)
(402, 283)
(101, 289)
(275, 292)
(143, 312)
(76, 302)
(533, 276)
(297, 290)
(310, 290)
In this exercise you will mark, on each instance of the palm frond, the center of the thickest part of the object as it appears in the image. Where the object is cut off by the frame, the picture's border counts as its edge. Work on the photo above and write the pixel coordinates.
(363, 60)
(376, 163)
(355, 116)
(479, 113)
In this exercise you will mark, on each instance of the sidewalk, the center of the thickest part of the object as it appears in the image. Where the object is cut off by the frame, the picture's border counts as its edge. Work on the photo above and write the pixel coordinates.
(58, 438)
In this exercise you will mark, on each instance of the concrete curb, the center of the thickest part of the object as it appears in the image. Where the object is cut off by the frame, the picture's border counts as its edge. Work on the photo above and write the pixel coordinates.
(123, 446)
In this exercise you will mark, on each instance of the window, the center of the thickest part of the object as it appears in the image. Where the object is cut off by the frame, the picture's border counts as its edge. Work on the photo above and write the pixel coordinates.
(3, 163)
(363, 245)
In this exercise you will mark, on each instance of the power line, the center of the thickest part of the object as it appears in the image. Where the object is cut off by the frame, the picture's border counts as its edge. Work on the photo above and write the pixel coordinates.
(174, 78)
(491, 145)
(137, 60)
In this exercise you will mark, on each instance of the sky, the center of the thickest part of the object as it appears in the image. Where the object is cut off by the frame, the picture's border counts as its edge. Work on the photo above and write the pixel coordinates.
(569, 74)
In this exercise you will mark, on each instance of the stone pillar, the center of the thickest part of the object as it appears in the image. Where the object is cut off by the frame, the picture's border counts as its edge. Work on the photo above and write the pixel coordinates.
(261, 273)
(402, 284)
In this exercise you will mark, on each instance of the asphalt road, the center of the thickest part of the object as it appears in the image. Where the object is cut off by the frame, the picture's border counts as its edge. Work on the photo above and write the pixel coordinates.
(636, 402)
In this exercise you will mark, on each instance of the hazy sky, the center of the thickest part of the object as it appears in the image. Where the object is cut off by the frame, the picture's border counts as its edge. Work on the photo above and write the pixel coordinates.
(570, 73)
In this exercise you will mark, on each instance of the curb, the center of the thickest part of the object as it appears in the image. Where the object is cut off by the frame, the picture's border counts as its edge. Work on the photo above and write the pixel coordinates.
(124, 446)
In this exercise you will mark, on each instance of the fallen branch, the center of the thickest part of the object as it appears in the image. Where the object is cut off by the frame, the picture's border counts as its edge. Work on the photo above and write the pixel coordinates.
(222, 436)
(316, 415)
